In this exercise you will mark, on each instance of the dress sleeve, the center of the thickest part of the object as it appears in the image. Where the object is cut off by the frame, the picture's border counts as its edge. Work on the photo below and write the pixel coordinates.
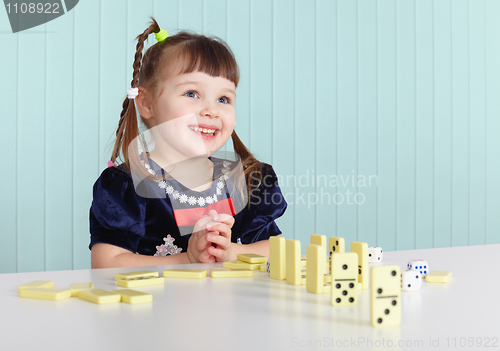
(266, 204)
(117, 214)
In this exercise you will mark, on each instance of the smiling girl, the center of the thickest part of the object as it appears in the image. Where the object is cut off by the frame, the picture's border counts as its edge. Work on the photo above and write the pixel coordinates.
(184, 210)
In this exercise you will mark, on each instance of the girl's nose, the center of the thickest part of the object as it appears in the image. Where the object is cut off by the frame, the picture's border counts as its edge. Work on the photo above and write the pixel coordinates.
(210, 110)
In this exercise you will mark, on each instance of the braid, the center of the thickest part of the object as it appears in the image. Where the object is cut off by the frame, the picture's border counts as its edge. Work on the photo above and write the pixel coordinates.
(128, 129)
(141, 38)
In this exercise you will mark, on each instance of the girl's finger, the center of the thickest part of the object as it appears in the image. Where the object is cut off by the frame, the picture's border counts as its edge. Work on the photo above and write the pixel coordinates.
(219, 240)
(218, 253)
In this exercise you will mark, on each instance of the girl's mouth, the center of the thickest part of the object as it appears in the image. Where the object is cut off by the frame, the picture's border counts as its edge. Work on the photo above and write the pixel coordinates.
(206, 133)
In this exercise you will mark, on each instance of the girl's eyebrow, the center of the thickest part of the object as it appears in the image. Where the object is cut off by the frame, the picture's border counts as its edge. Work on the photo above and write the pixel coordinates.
(232, 91)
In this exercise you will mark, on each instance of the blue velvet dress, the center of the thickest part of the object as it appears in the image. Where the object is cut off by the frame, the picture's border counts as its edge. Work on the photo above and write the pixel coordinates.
(141, 218)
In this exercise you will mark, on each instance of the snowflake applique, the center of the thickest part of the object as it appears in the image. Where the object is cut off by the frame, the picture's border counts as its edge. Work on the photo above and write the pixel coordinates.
(168, 248)
(183, 198)
(192, 200)
(201, 201)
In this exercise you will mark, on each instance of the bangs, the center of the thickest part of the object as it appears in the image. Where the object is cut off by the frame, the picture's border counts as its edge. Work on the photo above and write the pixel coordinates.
(207, 55)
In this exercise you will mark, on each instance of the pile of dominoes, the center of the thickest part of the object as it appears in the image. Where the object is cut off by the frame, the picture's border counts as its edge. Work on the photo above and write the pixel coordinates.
(342, 276)
(347, 273)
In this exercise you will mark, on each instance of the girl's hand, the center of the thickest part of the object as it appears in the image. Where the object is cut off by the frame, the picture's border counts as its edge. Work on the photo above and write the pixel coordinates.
(219, 234)
(198, 245)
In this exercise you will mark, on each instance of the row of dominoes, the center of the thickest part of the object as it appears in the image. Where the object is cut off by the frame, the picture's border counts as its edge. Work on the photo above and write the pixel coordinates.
(44, 290)
(347, 272)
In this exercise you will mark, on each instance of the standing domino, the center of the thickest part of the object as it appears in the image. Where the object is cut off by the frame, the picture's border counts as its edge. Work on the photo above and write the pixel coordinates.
(317, 239)
(335, 245)
(362, 250)
(375, 254)
(315, 270)
(419, 265)
(345, 279)
(293, 262)
(385, 296)
(277, 257)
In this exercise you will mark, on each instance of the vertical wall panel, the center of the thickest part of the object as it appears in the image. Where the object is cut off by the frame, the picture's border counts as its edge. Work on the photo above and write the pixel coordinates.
(304, 132)
(367, 122)
(166, 13)
(283, 120)
(477, 124)
(238, 39)
(59, 145)
(115, 71)
(386, 230)
(261, 79)
(442, 124)
(326, 116)
(30, 146)
(460, 121)
(492, 10)
(9, 69)
(86, 92)
(406, 137)
(347, 100)
(191, 15)
(425, 124)
(215, 18)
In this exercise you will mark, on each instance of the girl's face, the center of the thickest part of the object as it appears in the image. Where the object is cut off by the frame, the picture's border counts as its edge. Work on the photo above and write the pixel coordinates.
(192, 116)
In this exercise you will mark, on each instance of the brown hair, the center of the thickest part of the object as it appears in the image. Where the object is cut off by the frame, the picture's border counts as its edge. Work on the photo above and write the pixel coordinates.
(196, 53)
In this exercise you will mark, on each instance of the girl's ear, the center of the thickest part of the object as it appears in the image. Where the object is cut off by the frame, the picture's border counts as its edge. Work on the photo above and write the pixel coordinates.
(143, 105)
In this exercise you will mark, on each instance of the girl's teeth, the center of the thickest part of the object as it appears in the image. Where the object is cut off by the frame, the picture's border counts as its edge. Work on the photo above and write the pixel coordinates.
(203, 130)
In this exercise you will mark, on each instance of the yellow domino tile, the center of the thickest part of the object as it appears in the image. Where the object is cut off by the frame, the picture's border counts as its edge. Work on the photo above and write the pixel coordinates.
(140, 281)
(293, 267)
(303, 261)
(46, 284)
(438, 277)
(241, 265)
(137, 274)
(252, 258)
(99, 296)
(345, 279)
(75, 288)
(315, 270)
(134, 297)
(335, 245)
(362, 250)
(185, 273)
(318, 239)
(277, 257)
(385, 296)
(230, 273)
(45, 293)
(263, 267)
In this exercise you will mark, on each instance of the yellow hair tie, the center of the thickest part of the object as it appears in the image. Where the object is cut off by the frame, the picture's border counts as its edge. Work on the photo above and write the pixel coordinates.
(161, 35)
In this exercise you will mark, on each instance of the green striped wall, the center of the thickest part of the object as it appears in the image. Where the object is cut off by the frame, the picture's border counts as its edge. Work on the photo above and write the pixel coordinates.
(403, 93)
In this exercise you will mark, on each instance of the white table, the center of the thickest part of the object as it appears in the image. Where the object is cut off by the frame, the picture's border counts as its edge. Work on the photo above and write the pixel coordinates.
(259, 313)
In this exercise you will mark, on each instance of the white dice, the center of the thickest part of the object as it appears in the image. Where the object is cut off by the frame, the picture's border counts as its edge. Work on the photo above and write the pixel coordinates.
(411, 280)
(419, 265)
(375, 254)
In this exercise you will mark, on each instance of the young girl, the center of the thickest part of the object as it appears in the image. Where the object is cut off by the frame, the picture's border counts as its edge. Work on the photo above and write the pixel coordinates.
(173, 203)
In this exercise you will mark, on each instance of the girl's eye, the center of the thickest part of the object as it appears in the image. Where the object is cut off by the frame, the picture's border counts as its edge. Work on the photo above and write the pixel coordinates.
(223, 100)
(191, 94)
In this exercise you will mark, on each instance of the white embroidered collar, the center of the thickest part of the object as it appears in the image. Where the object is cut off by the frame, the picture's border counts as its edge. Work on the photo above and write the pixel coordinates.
(200, 201)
